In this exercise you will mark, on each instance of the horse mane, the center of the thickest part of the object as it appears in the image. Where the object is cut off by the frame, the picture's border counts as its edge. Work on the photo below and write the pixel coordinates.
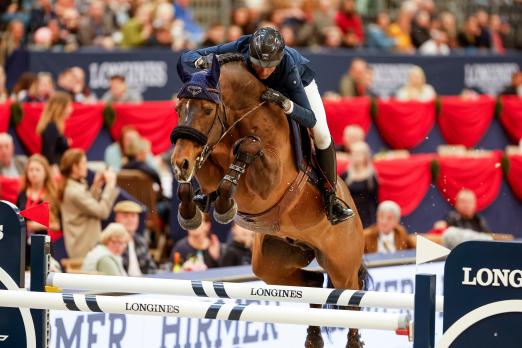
(226, 58)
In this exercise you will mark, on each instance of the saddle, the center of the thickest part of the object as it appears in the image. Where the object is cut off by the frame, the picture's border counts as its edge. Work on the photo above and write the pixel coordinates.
(269, 221)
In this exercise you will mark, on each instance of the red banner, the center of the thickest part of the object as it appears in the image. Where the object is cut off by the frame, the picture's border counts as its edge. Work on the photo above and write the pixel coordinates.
(404, 125)
(511, 116)
(153, 120)
(82, 127)
(482, 175)
(514, 176)
(464, 122)
(9, 188)
(347, 111)
(5, 114)
(404, 181)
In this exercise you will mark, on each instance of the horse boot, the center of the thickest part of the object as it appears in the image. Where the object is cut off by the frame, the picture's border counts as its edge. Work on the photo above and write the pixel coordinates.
(336, 210)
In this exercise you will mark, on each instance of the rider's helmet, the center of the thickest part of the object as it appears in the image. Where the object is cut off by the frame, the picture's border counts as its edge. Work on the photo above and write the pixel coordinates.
(266, 47)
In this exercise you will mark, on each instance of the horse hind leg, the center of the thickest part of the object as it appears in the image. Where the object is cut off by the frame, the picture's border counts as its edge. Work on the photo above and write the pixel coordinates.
(354, 338)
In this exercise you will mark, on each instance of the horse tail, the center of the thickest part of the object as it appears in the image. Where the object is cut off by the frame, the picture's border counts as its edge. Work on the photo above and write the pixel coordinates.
(365, 279)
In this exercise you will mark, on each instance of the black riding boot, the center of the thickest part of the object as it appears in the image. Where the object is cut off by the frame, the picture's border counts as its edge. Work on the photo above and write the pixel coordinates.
(336, 210)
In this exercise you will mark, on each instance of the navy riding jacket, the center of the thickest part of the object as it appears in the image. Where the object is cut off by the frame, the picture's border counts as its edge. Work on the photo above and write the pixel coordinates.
(290, 77)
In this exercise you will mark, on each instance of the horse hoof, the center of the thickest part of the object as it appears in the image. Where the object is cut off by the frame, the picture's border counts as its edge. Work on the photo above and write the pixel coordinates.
(314, 338)
(227, 216)
(354, 341)
(192, 223)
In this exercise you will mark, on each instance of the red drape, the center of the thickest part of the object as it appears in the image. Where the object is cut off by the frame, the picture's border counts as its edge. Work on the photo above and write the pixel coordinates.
(153, 120)
(347, 111)
(482, 175)
(5, 114)
(82, 127)
(465, 122)
(404, 125)
(514, 176)
(404, 181)
(511, 116)
(9, 188)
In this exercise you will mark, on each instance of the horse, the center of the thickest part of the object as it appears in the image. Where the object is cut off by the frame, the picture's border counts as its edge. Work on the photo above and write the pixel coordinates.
(240, 152)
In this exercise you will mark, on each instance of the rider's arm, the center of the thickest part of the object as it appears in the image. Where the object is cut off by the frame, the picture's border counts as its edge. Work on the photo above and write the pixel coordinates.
(300, 109)
(188, 59)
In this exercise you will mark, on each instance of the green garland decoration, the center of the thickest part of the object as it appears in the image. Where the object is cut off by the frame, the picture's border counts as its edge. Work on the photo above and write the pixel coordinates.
(435, 170)
(17, 113)
(109, 115)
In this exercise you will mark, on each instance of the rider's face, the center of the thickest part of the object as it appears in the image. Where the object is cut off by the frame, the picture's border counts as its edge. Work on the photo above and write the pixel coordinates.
(263, 73)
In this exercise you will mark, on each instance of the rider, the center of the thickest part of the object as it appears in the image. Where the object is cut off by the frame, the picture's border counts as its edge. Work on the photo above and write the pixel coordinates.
(291, 86)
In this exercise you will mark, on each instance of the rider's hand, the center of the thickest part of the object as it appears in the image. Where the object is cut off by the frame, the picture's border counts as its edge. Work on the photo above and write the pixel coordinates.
(204, 62)
(273, 96)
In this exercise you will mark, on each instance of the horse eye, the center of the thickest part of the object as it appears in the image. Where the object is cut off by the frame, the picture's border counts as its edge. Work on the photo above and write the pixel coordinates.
(208, 111)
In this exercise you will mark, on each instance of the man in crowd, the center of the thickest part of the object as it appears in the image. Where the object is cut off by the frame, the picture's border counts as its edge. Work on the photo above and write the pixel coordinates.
(465, 213)
(358, 80)
(136, 259)
(119, 91)
(10, 165)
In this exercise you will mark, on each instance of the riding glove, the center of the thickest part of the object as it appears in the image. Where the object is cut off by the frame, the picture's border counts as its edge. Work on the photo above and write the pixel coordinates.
(276, 97)
(204, 62)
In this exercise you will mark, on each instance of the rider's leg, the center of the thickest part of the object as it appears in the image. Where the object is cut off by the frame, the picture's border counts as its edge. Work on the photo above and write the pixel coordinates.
(336, 210)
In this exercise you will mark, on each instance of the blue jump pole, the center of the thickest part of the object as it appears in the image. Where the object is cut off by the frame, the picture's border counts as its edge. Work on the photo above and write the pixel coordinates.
(424, 313)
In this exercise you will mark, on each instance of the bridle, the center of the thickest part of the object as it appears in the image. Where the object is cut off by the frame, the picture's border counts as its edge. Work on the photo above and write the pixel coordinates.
(193, 134)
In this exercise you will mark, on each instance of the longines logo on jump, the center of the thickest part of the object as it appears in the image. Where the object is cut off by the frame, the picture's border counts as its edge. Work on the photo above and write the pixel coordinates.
(3, 338)
(276, 293)
(493, 277)
(151, 308)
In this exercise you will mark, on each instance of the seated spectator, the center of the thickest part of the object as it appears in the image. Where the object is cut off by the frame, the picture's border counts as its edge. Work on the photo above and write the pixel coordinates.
(22, 85)
(351, 135)
(350, 23)
(484, 36)
(468, 36)
(191, 30)
(119, 92)
(448, 24)
(215, 35)
(41, 14)
(66, 82)
(136, 258)
(234, 32)
(361, 179)
(357, 81)
(497, 35)
(238, 251)
(437, 45)
(137, 30)
(4, 95)
(83, 208)
(515, 88)
(51, 127)
(200, 249)
(465, 213)
(10, 165)
(115, 154)
(12, 39)
(377, 35)
(82, 93)
(416, 88)
(106, 257)
(38, 186)
(387, 235)
(137, 152)
(420, 29)
(400, 30)
(41, 90)
(332, 37)
(96, 28)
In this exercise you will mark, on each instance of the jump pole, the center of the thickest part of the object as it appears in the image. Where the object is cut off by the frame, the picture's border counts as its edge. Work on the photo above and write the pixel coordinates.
(353, 298)
(176, 307)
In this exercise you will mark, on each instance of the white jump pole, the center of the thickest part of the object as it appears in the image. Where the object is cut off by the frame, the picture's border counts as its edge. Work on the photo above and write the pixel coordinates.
(209, 289)
(175, 307)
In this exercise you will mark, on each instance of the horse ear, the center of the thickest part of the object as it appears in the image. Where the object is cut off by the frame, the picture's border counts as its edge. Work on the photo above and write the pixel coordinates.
(183, 75)
(213, 73)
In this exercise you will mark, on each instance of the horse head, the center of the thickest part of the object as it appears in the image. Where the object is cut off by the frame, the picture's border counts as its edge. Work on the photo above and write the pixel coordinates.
(200, 120)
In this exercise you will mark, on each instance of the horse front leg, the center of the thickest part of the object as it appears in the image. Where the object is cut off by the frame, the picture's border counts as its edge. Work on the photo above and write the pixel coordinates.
(189, 215)
(246, 150)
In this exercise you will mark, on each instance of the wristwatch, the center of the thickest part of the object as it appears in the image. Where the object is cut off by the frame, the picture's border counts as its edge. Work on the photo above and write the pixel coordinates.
(287, 104)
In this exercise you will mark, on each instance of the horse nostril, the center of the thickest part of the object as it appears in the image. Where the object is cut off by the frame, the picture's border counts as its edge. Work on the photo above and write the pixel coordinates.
(185, 164)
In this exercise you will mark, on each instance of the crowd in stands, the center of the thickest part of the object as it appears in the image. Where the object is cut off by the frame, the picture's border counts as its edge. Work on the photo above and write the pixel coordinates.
(418, 25)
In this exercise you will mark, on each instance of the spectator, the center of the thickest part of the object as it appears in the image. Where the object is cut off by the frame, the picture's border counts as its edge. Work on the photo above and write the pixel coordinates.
(350, 24)
(115, 154)
(162, 34)
(82, 93)
(119, 92)
(515, 88)
(332, 37)
(234, 32)
(238, 251)
(400, 30)
(12, 39)
(377, 36)
(387, 235)
(10, 165)
(51, 127)
(241, 18)
(38, 186)
(136, 258)
(437, 45)
(200, 249)
(139, 28)
(192, 30)
(106, 257)
(83, 208)
(138, 151)
(215, 35)
(41, 90)
(484, 36)
(449, 26)
(22, 86)
(420, 30)
(351, 135)
(41, 15)
(467, 38)
(497, 39)
(96, 28)
(66, 82)
(416, 88)
(4, 95)
(358, 80)
(361, 179)
(465, 213)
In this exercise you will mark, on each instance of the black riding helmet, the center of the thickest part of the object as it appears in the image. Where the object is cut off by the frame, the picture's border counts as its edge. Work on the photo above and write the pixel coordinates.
(266, 48)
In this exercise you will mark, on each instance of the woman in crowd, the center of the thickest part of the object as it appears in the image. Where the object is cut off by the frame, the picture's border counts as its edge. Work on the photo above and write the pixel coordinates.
(51, 127)
(106, 257)
(201, 248)
(38, 186)
(238, 251)
(416, 88)
(41, 89)
(82, 207)
(3, 89)
(362, 182)
(116, 154)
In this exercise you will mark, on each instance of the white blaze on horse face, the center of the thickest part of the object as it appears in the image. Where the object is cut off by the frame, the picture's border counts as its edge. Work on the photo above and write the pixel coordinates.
(187, 111)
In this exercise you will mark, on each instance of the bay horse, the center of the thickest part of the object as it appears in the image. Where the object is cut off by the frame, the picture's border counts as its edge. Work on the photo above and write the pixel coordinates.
(240, 151)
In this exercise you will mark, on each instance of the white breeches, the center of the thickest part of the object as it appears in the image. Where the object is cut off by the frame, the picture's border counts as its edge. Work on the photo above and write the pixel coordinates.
(321, 132)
